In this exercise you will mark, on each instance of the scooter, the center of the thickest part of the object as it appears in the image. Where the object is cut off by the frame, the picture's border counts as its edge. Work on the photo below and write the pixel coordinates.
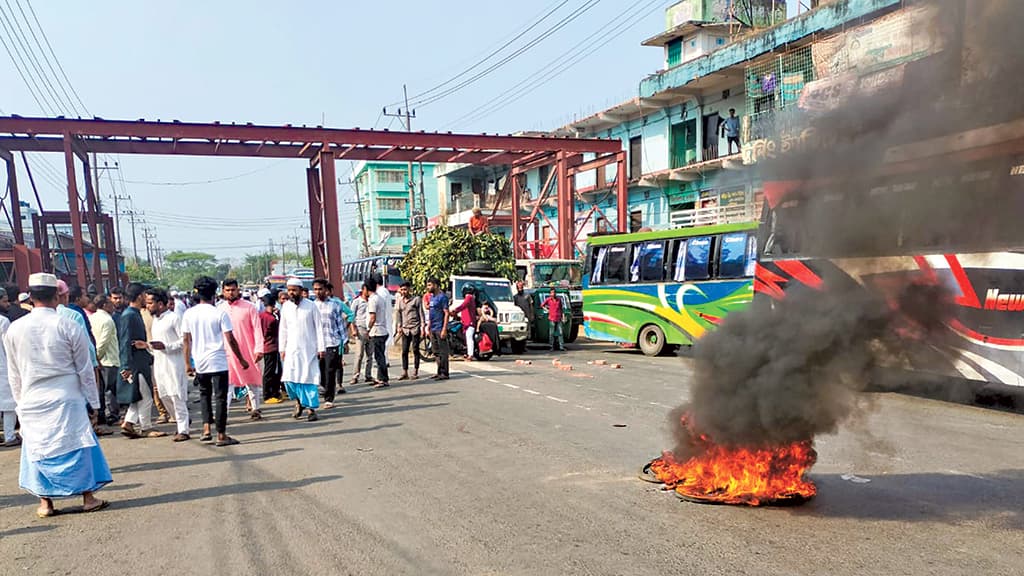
(457, 342)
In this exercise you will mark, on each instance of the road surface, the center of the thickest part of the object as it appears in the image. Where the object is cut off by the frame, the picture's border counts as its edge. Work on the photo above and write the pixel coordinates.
(511, 469)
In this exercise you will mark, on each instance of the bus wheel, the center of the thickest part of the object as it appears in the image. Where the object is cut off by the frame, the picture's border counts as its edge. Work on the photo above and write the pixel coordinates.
(652, 340)
(518, 346)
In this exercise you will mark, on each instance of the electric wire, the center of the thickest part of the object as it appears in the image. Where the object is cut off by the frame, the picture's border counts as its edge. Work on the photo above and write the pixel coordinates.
(416, 97)
(54, 55)
(590, 4)
(22, 40)
(589, 46)
(46, 58)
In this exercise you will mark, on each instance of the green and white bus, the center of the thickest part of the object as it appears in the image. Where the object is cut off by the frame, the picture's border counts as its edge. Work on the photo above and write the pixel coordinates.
(664, 289)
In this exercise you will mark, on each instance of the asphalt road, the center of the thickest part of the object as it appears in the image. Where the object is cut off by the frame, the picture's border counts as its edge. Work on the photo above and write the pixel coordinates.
(511, 469)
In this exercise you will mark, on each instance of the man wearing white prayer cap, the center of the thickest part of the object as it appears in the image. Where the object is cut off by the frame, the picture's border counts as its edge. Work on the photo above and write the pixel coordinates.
(301, 342)
(52, 379)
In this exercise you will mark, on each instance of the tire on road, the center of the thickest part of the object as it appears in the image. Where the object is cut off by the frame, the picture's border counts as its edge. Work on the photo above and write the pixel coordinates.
(574, 333)
(426, 350)
(518, 346)
(652, 340)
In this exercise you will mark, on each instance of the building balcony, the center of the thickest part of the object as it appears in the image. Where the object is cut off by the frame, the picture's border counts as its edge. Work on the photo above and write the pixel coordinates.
(711, 215)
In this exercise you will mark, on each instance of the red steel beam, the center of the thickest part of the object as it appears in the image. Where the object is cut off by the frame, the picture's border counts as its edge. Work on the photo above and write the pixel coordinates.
(316, 228)
(594, 164)
(517, 231)
(254, 133)
(76, 216)
(329, 199)
(622, 192)
(258, 150)
(90, 217)
(566, 209)
(12, 187)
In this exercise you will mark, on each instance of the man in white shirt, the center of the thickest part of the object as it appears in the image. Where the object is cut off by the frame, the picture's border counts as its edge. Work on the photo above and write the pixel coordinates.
(52, 380)
(168, 359)
(378, 320)
(205, 328)
(301, 342)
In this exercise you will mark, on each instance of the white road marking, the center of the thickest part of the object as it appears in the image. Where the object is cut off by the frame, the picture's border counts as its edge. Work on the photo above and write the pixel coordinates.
(627, 397)
(583, 407)
(512, 386)
(659, 404)
(485, 367)
(528, 391)
(492, 380)
(556, 399)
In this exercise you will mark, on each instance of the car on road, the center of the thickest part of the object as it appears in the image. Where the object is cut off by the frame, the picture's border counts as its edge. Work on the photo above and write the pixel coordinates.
(512, 326)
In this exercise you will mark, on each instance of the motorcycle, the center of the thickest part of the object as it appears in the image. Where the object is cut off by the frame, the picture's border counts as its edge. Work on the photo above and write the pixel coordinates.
(457, 341)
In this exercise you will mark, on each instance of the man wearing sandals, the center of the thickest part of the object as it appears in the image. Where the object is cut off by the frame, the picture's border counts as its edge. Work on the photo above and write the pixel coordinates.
(53, 382)
(300, 338)
(205, 328)
(136, 365)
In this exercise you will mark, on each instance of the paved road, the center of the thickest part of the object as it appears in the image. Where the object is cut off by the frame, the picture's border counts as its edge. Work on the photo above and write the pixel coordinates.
(509, 469)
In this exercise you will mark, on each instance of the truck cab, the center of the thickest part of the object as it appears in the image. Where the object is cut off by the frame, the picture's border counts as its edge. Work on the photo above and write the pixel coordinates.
(565, 276)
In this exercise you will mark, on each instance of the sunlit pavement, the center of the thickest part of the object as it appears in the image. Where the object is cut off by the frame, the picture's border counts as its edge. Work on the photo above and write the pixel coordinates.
(530, 469)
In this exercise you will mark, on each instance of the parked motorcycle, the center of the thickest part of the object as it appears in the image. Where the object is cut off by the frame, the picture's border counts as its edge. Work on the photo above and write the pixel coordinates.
(457, 341)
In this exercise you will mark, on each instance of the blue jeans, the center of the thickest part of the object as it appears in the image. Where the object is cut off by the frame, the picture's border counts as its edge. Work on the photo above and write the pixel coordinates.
(555, 335)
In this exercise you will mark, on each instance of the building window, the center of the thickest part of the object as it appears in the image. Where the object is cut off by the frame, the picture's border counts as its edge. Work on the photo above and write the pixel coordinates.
(636, 220)
(636, 161)
(392, 204)
(390, 177)
(396, 231)
(456, 190)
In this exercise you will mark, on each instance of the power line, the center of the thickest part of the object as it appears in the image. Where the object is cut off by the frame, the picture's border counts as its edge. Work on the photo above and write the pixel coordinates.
(46, 58)
(209, 181)
(19, 64)
(590, 45)
(415, 97)
(22, 41)
(543, 36)
(55, 59)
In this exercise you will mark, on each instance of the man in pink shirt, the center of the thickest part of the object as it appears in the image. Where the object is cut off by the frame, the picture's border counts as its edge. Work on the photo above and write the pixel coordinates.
(245, 324)
(553, 306)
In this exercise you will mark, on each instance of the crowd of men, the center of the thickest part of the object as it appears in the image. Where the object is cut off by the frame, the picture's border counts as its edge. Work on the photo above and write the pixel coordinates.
(73, 364)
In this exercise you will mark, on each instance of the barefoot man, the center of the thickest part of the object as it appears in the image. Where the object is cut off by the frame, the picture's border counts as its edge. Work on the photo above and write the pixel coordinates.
(52, 379)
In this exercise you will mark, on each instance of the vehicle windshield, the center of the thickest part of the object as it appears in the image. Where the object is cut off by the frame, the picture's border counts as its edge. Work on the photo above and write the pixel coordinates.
(555, 274)
(496, 290)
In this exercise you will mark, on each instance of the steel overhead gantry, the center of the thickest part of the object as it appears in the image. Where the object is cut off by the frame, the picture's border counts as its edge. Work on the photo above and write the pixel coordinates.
(320, 147)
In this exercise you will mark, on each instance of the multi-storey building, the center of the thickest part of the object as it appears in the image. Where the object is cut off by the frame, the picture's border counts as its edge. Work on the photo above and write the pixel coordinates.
(388, 220)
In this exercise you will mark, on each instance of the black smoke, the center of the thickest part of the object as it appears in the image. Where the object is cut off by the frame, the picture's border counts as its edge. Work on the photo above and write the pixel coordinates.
(791, 369)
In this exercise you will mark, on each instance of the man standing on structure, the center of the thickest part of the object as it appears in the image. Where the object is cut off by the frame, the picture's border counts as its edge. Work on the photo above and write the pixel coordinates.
(731, 131)
(245, 323)
(205, 328)
(478, 223)
(301, 341)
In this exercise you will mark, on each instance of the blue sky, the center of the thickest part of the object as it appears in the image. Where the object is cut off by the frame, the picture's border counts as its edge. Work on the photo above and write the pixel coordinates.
(331, 63)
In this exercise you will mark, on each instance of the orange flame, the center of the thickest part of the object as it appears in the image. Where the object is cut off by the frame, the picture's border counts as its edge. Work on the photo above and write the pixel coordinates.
(735, 475)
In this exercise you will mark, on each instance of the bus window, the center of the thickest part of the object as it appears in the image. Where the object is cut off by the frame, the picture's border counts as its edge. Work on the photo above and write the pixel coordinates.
(698, 258)
(616, 265)
(680, 267)
(732, 261)
(648, 262)
(597, 265)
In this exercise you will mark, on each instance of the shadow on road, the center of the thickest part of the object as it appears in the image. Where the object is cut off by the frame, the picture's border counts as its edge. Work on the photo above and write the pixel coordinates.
(994, 498)
(304, 435)
(164, 464)
(245, 488)
(25, 530)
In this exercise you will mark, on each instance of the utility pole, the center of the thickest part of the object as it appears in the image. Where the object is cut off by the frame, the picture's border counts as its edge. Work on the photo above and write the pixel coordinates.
(135, 246)
(362, 220)
(147, 235)
(408, 116)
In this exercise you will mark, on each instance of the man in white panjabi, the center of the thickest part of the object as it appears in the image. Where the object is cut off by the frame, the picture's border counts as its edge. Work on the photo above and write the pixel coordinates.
(301, 342)
(7, 403)
(52, 379)
(169, 359)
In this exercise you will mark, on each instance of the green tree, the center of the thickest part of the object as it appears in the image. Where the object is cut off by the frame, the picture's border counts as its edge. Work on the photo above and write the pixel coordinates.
(182, 268)
(446, 251)
(141, 272)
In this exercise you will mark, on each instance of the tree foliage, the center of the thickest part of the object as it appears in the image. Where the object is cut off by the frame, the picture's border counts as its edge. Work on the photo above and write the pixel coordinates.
(141, 272)
(182, 268)
(446, 251)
